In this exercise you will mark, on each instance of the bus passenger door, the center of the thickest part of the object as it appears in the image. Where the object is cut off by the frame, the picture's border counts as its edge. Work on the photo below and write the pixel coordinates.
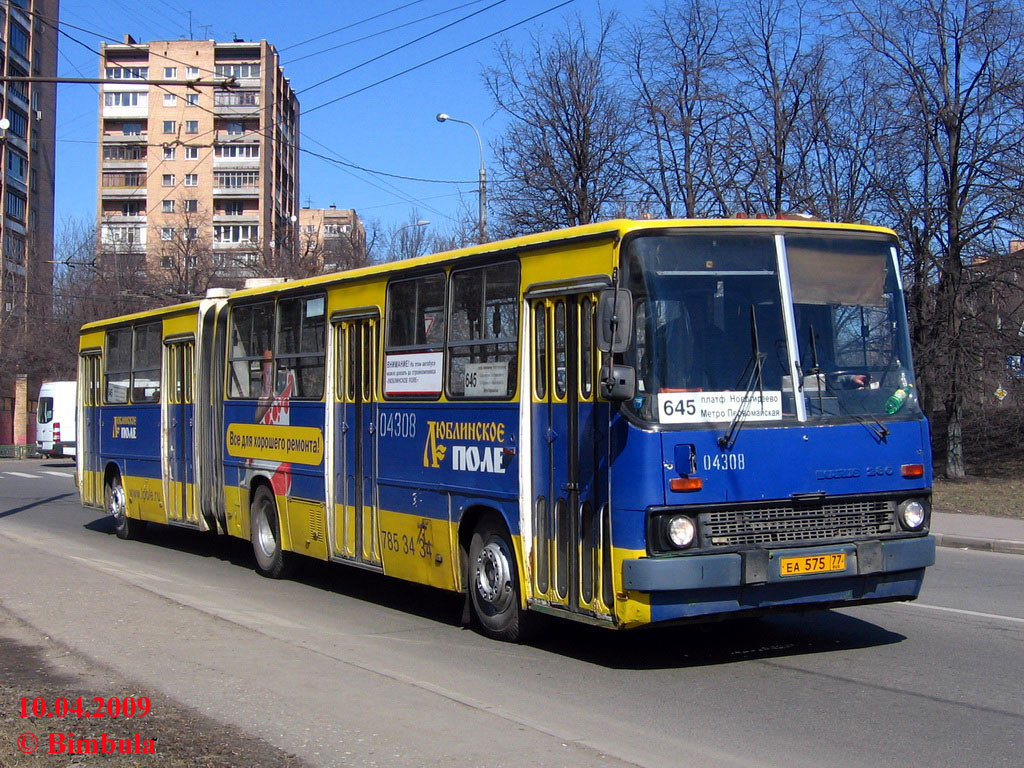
(178, 432)
(88, 450)
(356, 523)
(571, 548)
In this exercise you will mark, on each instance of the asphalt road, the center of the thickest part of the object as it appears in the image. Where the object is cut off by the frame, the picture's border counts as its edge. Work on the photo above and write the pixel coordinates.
(343, 667)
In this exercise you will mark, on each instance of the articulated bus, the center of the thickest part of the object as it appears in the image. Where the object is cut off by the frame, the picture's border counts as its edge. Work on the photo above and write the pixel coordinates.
(625, 423)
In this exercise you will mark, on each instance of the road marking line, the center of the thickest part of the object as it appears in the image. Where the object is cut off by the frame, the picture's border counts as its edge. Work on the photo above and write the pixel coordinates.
(976, 614)
(57, 474)
(23, 474)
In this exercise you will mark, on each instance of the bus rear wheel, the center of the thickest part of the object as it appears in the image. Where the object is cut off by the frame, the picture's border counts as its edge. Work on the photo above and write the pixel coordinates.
(271, 560)
(117, 505)
(494, 584)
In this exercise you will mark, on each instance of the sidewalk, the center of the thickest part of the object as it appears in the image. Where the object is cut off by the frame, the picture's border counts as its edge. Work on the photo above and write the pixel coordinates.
(992, 534)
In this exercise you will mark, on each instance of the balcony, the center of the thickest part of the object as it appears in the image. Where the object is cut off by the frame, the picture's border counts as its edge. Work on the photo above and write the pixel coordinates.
(125, 113)
(125, 165)
(241, 245)
(238, 111)
(236, 163)
(236, 192)
(122, 138)
(112, 246)
(117, 218)
(245, 137)
(122, 193)
(244, 218)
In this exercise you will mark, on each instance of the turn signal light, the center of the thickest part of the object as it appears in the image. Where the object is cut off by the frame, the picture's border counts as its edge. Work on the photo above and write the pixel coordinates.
(685, 484)
(912, 471)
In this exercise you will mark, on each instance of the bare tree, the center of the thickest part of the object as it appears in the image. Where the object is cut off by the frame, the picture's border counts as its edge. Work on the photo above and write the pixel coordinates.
(561, 157)
(777, 58)
(87, 285)
(285, 254)
(186, 265)
(676, 70)
(841, 146)
(956, 89)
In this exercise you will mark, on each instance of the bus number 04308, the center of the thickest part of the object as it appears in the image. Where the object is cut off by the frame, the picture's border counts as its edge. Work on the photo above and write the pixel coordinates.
(725, 461)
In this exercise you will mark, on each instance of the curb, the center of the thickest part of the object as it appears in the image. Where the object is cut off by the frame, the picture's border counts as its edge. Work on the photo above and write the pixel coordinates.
(1004, 546)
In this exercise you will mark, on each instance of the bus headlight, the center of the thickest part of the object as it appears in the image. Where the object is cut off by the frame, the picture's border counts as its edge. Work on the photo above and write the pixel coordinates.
(680, 531)
(912, 514)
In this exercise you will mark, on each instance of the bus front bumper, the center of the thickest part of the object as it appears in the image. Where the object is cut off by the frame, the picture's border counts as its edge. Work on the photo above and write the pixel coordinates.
(762, 566)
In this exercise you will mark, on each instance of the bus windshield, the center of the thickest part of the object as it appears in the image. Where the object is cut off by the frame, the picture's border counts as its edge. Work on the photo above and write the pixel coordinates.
(710, 328)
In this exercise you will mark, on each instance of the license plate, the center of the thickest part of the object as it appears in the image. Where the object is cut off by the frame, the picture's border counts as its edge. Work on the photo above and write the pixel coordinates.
(801, 566)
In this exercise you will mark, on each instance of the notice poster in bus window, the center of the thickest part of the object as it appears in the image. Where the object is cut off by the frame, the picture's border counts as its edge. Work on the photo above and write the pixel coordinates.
(413, 373)
(700, 407)
(486, 379)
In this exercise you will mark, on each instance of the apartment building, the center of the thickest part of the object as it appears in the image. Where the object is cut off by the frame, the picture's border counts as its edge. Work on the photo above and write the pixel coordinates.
(28, 47)
(198, 158)
(334, 238)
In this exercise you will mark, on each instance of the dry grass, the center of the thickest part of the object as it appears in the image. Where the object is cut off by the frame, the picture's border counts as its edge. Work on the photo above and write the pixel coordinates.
(994, 485)
(996, 496)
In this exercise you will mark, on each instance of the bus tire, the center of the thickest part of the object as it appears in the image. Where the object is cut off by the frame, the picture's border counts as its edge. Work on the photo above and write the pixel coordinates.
(494, 583)
(271, 560)
(117, 505)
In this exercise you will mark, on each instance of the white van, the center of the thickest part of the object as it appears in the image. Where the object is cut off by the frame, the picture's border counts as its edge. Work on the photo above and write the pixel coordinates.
(56, 417)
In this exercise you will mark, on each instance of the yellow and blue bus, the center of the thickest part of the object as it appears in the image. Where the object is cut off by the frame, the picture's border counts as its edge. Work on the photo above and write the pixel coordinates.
(624, 423)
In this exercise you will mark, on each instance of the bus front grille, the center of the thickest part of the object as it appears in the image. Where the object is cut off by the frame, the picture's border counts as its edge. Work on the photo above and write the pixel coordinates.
(783, 524)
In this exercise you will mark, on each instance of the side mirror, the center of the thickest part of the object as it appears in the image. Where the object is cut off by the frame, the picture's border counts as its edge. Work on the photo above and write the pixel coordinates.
(614, 320)
(618, 382)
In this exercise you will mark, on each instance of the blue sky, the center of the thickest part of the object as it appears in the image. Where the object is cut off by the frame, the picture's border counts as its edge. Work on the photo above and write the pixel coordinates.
(389, 127)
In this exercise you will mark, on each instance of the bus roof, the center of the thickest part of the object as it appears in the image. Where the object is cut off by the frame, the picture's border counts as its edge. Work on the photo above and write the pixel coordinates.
(611, 228)
(614, 228)
(148, 313)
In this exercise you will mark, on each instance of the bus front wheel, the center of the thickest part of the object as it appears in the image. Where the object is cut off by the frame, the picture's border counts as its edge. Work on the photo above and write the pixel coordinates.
(117, 505)
(271, 560)
(494, 583)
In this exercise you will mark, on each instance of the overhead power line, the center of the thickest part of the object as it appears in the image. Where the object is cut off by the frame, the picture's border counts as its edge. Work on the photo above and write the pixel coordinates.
(372, 35)
(438, 58)
(403, 45)
(350, 26)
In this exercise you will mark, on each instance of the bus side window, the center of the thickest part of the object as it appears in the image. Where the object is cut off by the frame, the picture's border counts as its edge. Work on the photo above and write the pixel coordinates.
(250, 355)
(118, 365)
(146, 364)
(415, 331)
(300, 346)
(484, 332)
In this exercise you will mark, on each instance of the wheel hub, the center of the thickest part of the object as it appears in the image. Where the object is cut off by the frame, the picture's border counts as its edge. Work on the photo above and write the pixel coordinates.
(116, 504)
(494, 576)
(265, 535)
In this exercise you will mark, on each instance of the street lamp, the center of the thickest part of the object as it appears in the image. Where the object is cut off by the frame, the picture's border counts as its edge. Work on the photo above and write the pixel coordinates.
(482, 219)
(401, 229)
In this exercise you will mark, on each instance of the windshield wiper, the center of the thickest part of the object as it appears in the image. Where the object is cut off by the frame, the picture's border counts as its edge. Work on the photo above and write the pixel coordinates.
(753, 372)
(873, 424)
